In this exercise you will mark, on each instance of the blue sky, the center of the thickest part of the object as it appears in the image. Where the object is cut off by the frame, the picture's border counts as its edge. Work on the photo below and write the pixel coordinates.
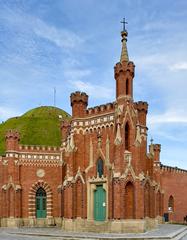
(74, 45)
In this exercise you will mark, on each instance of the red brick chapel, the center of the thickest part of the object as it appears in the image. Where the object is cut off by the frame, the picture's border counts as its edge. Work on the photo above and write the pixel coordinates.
(101, 178)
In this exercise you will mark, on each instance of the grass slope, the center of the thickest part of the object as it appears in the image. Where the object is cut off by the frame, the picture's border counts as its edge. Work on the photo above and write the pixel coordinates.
(39, 126)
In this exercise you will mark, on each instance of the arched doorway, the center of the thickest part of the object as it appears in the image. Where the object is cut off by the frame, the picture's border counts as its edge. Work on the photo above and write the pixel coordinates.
(129, 201)
(99, 203)
(41, 203)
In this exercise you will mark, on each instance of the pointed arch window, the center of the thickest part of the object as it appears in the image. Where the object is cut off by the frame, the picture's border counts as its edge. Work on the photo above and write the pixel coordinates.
(127, 137)
(100, 167)
(171, 204)
(127, 86)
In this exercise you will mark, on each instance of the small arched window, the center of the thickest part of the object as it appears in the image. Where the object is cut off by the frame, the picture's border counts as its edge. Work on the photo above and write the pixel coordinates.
(127, 137)
(171, 204)
(100, 167)
(127, 87)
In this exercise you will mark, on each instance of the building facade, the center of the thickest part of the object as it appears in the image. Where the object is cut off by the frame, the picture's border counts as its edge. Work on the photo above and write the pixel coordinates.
(102, 178)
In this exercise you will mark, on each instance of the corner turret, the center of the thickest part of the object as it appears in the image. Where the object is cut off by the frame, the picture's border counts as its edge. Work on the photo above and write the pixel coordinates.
(142, 108)
(79, 103)
(12, 140)
(155, 150)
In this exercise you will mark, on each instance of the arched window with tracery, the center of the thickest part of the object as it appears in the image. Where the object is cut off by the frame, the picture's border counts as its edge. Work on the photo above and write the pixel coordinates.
(100, 167)
(127, 137)
(171, 204)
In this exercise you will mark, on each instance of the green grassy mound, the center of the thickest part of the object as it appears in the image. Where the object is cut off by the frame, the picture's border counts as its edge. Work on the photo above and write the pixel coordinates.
(39, 126)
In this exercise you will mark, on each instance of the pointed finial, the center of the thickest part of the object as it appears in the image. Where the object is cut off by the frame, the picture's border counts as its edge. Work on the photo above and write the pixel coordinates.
(124, 34)
(151, 141)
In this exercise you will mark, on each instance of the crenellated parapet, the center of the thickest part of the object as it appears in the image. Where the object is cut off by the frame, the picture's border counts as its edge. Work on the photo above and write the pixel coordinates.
(38, 148)
(12, 134)
(124, 67)
(79, 103)
(12, 138)
(157, 147)
(142, 108)
(79, 97)
(101, 109)
(172, 169)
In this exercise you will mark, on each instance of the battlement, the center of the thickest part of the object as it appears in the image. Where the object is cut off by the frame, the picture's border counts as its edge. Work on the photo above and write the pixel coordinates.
(124, 67)
(38, 148)
(157, 147)
(12, 134)
(141, 106)
(172, 169)
(101, 109)
(79, 97)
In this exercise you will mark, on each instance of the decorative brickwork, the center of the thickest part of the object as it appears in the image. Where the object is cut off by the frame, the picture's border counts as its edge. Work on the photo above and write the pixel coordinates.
(101, 178)
(32, 199)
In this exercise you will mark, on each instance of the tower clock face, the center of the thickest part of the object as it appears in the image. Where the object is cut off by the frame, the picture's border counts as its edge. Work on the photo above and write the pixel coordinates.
(40, 173)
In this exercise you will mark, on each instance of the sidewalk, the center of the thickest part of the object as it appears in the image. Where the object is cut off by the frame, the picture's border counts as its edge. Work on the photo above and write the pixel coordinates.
(165, 231)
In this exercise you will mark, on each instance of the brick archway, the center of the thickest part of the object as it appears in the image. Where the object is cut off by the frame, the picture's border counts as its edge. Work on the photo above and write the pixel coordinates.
(32, 198)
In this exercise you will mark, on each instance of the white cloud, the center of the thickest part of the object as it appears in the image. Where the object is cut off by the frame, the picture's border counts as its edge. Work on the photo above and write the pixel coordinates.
(179, 66)
(95, 91)
(170, 116)
(6, 113)
(63, 38)
(75, 74)
(27, 24)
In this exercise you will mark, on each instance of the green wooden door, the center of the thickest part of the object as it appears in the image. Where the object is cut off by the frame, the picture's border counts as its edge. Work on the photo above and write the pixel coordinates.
(99, 204)
(41, 203)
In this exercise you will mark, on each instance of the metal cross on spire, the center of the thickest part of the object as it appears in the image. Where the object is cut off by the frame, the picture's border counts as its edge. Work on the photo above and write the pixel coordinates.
(124, 22)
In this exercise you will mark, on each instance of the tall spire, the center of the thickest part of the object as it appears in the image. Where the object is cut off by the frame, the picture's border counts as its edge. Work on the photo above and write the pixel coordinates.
(124, 34)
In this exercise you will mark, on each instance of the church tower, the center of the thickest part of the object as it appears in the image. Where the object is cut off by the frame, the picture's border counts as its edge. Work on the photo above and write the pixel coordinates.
(124, 71)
